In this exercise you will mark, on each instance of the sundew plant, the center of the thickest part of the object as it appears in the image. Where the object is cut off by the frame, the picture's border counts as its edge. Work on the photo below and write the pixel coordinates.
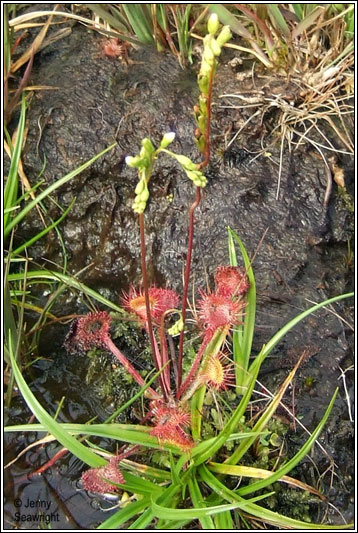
(197, 486)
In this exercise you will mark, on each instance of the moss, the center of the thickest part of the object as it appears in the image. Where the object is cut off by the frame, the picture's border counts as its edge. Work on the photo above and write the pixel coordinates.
(113, 385)
(346, 199)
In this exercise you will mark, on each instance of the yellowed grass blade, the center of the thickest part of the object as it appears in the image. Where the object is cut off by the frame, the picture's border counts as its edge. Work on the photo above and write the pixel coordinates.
(260, 473)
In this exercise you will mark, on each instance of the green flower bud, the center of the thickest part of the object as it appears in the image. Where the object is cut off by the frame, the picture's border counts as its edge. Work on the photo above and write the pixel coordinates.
(202, 121)
(215, 47)
(202, 104)
(168, 138)
(176, 328)
(213, 23)
(224, 36)
(185, 162)
(140, 186)
(203, 83)
(197, 177)
(139, 207)
(148, 146)
(205, 68)
(134, 162)
(144, 195)
(207, 40)
(200, 143)
(208, 55)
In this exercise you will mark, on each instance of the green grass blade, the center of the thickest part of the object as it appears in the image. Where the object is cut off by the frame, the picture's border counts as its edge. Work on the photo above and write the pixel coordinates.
(197, 499)
(12, 182)
(228, 18)
(28, 243)
(9, 321)
(114, 22)
(261, 513)
(143, 521)
(122, 432)
(52, 188)
(245, 335)
(67, 280)
(50, 425)
(233, 470)
(176, 514)
(306, 22)
(140, 22)
(258, 485)
(196, 405)
(134, 398)
(279, 20)
(215, 444)
(224, 521)
(298, 10)
(238, 331)
(125, 514)
(263, 420)
(150, 472)
(139, 485)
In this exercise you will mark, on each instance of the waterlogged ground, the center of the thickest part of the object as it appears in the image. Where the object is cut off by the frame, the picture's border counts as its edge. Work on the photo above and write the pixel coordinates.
(302, 258)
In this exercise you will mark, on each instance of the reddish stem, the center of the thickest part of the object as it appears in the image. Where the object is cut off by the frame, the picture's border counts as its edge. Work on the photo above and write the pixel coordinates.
(194, 367)
(164, 353)
(149, 327)
(186, 280)
(127, 365)
(58, 455)
(191, 228)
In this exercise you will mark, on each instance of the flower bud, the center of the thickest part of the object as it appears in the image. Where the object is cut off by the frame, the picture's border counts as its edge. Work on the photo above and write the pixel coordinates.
(202, 121)
(144, 195)
(185, 162)
(203, 104)
(139, 207)
(208, 55)
(140, 186)
(201, 143)
(203, 82)
(215, 47)
(148, 146)
(213, 23)
(176, 328)
(205, 68)
(224, 36)
(168, 138)
(134, 161)
(197, 177)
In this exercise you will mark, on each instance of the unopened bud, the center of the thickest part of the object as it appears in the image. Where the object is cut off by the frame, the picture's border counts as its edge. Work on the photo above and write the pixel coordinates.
(224, 36)
(215, 47)
(186, 162)
(203, 82)
(197, 177)
(148, 146)
(176, 328)
(168, 138)
(144, 195)
(213, 23)
(205, 68)
(140, 187)
(208, 55)
(134, 162)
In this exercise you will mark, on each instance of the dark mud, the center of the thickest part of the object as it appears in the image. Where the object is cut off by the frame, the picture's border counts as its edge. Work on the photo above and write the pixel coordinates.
(301, 259)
